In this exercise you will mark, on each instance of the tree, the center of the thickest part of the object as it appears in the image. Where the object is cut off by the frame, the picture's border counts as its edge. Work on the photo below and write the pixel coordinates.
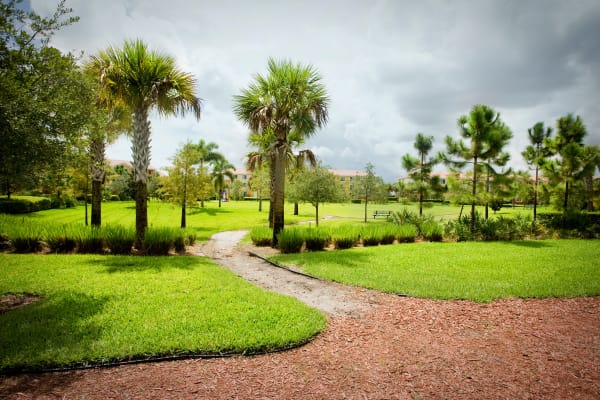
(499, 137)
(44, 100)
(221, 168)
(144, 80)
(480, 128)
(183, 180)
(300, 161)
(371, 187)
(237, 190)
(206, 154)
(290, 100)
(535, 155)
(419, 169)
(316, 185)
(259, 183)
(574, 161)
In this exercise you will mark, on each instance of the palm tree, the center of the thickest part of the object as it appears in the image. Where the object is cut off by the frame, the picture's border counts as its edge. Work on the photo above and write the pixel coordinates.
(535, 154)
(143, 80)
(480, 129)
(420, 168)
(291, 98)
(221, 169)
(206, 153)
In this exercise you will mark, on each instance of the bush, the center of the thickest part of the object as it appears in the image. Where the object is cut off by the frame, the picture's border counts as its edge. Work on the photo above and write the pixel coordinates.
(316, 238)
(432, 231)
(261, 236)
(345, 237)
(24, 205)
(26, 239)
(119, 239)
(60, 239)
(290, 240)
(374, 234)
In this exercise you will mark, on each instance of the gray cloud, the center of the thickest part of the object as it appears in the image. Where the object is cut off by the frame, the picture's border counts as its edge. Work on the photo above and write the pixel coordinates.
(392, 68)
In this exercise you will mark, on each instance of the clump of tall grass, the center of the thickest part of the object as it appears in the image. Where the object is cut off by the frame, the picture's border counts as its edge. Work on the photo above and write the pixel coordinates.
(290, 240)
(119, 239)
(61, 238)
(345, 237)
(406, 233)
(159, 241)
(26, 239)
(316, 239)
(261, 236)
(90, 240)
(374, 234)
(432, 231)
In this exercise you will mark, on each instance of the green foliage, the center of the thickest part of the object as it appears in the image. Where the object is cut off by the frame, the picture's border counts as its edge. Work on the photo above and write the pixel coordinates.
(60, 238)
(24, 204)
(290, 240)
(345, 236)
(98, 308)
(378, 233)
(118, 239)
(472, 271)
(316, 239)
(406, 233)
(90, 240)
(159, 241)
(261, 235)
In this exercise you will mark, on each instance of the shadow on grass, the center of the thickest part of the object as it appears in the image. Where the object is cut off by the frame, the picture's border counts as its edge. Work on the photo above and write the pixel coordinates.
(45, 334)
(533, 244)
(208, 211)
(124, 264)
(348, 259)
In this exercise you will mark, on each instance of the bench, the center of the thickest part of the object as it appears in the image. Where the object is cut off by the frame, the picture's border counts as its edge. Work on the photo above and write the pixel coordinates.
(380, 213)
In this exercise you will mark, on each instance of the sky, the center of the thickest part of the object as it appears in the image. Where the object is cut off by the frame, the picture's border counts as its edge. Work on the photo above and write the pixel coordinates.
(392, 69)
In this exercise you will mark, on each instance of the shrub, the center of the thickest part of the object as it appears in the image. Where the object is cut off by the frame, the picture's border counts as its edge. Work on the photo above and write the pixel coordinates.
(24, 205)
(374, 234)
(432, 231)
(345, 237)
(261, 236)
(406, 233)
(60, 239)
(119, 239)
(316, 238)
(159, 241)
(290, 240)
(26, 239)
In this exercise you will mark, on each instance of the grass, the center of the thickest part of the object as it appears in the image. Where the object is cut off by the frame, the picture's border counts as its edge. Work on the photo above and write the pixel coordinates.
(102, 308)
(474, 271)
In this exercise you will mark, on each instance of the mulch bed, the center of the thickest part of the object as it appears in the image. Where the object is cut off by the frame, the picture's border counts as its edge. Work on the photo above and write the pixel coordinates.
(402, 348)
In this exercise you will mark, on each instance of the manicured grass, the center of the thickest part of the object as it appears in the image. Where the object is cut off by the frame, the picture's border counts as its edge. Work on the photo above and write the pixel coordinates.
(203, 221)
(477, 271)
(102, 308)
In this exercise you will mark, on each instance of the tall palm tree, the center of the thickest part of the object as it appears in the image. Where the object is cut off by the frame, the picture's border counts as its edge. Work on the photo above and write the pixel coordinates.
(535, 153)
(221, 168)
(479, 128)
(144, 80)
(291, 98)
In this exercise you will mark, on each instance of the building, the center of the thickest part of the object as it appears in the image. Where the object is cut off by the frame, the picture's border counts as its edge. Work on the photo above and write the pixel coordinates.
(348, 178)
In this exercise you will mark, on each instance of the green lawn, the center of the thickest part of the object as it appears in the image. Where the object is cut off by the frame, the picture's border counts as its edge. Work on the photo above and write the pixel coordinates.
(478, 271)
(100, 308)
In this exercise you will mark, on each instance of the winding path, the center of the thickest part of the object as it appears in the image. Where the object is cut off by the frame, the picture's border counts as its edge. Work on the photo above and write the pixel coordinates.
(329, 297)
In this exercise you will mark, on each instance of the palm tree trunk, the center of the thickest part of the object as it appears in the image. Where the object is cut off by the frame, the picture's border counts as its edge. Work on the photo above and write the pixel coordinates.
(183, 203)
(566, 200)
(97, 150)
(141, 159)
(219, 195)
(271, 189)
(317, 215)
(279, 190)
(295, 208)
(487, 192)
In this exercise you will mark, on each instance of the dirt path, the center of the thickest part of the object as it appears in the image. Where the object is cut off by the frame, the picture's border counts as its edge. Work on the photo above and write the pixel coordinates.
(376, 346)
(332, 298)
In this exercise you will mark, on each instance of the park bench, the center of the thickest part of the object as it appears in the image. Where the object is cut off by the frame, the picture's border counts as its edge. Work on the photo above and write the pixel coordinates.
(381, 213)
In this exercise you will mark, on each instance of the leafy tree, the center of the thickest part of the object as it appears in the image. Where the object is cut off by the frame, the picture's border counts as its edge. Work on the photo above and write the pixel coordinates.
(300, 160)
(290, 100)
(121, 183)
(44, 100)
(498, 139)
(371, 187)
(237, 190)
(573, 160)
(221, 169)
(316, 185)
(183, 181)
(486, 136)
(144, 80)
(419, 169)
(535, 155)
(259, 183)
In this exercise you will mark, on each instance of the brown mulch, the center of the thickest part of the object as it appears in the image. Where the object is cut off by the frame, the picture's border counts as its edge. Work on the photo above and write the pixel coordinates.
(402, 348)
(12, 301)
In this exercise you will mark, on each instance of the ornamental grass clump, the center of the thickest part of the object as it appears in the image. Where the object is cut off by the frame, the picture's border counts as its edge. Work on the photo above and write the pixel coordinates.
(316, 239)
(374, 234)
(261, 236)
(432, 231)
(60, 238)
(290, 240)
(406, 233)
(159, 241)
(119, 239)
(26, 239)
(345, 237)
(90, 240)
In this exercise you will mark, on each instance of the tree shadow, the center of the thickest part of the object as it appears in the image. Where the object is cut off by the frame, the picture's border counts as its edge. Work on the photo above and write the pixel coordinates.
(38, 336)
(127, 264)
(208, 211)
(534, 244)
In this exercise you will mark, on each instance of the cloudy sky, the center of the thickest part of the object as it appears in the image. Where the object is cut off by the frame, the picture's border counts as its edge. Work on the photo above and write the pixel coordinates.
(391, 68)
